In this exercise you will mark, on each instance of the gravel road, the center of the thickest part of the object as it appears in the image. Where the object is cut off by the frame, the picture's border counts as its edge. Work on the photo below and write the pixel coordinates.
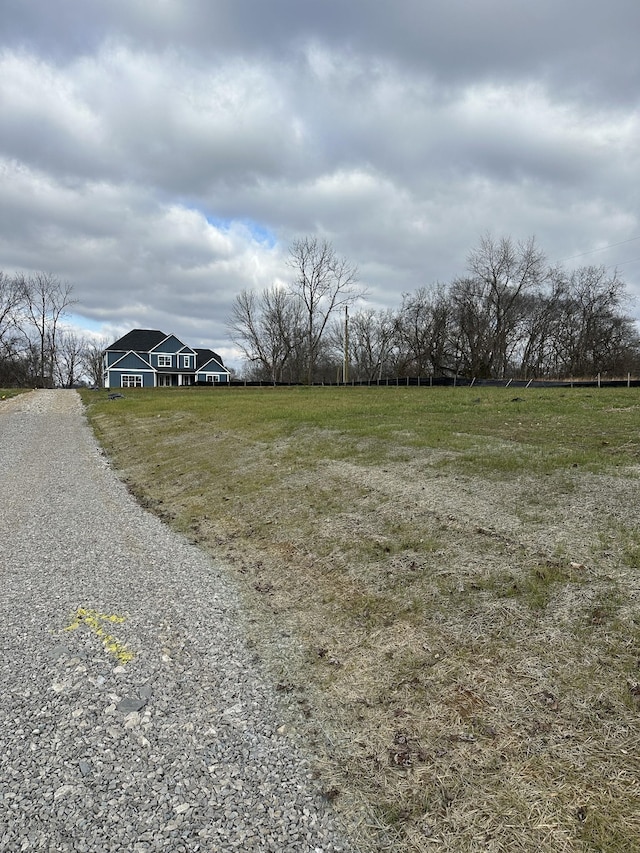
(132, 716)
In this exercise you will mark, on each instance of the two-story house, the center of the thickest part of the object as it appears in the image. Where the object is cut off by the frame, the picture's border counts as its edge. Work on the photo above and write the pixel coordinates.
(149, 358)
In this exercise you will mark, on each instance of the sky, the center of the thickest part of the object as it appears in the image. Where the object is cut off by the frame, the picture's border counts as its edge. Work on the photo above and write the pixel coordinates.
(161, 155)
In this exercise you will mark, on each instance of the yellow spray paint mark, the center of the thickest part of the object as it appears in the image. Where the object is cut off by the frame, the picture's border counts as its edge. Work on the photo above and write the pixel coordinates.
(95, 622)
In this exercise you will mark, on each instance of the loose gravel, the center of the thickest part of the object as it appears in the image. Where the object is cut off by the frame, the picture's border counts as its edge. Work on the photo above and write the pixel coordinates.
(132, 715)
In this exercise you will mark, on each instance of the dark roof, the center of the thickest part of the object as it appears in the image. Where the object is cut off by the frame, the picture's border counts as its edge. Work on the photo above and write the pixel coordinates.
(139, 340)
(144, 340)
(205, 355)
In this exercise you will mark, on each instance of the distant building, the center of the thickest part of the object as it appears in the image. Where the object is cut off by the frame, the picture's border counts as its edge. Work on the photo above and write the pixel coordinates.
(149, 358)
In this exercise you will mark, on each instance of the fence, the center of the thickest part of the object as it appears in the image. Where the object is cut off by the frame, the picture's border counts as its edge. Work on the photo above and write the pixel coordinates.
(441, 381)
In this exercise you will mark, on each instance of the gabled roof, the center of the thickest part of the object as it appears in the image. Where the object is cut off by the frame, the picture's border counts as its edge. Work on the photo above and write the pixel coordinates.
(171, 343)
(204, 356)
(140, 340)
(130, 361)
(147, 340)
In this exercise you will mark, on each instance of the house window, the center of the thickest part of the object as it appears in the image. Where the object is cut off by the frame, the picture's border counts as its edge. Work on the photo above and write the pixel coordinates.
(186, 361)
(212, 377)
(131, 380)
(164, 361)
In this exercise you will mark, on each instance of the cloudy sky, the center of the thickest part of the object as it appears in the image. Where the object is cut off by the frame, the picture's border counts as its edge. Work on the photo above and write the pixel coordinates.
(161, 155)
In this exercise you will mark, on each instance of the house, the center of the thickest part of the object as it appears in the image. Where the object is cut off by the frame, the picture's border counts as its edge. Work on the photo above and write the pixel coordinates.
(149, 358)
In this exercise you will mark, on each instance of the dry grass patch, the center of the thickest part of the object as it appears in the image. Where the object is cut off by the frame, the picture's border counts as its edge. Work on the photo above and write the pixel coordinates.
(452, 619)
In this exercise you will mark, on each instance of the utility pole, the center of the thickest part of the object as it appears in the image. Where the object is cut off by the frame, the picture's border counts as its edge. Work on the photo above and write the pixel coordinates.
(345, 366)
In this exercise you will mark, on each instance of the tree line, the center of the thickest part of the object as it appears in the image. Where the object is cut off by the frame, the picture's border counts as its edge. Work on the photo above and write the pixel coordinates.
(512, 315)
(36, 350)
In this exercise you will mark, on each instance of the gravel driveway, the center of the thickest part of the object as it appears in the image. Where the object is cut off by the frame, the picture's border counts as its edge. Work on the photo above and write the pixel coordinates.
(132, 716)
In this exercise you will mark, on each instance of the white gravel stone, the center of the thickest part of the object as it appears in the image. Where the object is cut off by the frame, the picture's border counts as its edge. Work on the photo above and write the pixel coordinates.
(171, 771)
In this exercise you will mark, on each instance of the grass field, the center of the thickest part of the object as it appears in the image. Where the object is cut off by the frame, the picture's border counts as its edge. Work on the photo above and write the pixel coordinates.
(443, 583)
(7, 393)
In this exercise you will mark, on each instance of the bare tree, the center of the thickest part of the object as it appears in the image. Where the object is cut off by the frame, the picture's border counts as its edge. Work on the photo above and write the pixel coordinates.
(9, 306)
(540, 315)
(501, 273)
(592, 333)
(423, 328)
(511, 315)
(68, 358)
(92, 360)
(323, 283)
(44, 300)
(371, 340)
(268, 329)
(11, 360)
(472, 340)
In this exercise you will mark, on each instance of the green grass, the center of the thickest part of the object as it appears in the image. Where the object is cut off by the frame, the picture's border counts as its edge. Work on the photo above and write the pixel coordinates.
(7, 393)
(455, 567)
(535, 586)
(486, 428)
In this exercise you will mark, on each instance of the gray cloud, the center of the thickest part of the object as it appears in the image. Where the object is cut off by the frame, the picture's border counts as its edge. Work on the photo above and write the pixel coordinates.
(586, 45)
(161, 156)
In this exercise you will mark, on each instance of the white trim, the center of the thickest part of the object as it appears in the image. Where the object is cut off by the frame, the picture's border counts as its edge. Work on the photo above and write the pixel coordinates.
(137, 377)
(166, 338)
(183, 346)
(130, 369)
(222, 369)
(137, 355)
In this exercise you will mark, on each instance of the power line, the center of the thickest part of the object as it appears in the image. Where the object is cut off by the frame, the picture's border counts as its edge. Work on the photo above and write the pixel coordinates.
(601, 249)
(622, 263)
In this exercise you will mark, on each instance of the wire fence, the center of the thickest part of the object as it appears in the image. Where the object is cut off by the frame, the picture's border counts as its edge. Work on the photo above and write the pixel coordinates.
(440, 381)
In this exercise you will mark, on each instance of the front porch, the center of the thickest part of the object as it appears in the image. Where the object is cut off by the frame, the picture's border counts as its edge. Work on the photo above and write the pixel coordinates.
(172, 380)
